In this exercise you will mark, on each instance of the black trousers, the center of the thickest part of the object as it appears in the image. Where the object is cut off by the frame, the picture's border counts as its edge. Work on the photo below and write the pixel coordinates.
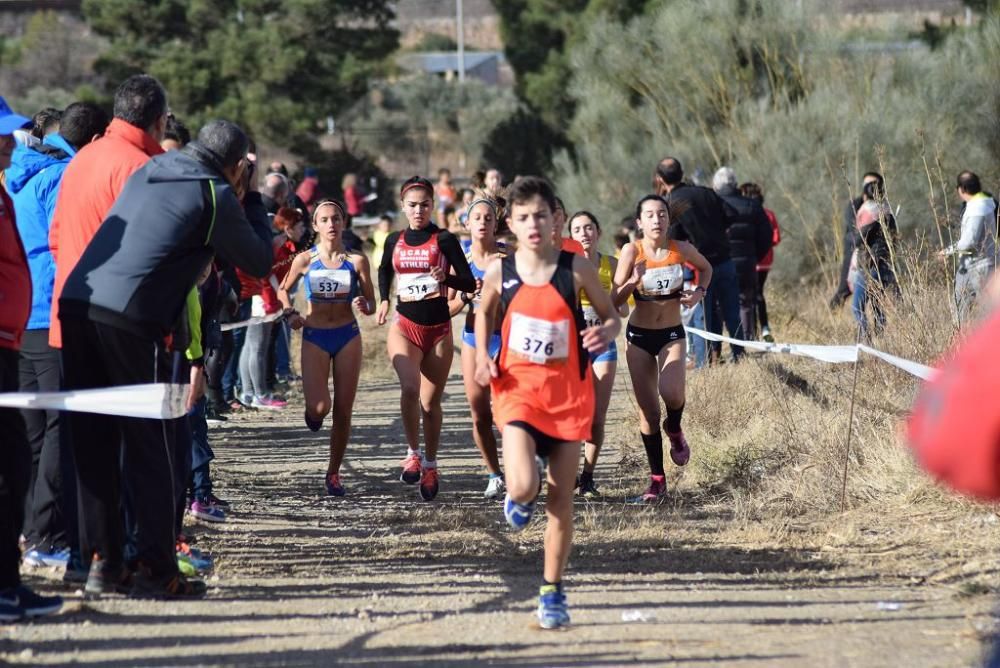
(15, 467)
(746, 274)
(39, 371)
(761, 302)
(111, 451)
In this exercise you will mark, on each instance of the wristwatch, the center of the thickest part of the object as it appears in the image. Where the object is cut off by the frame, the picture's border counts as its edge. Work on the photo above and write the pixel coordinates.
(698, 287)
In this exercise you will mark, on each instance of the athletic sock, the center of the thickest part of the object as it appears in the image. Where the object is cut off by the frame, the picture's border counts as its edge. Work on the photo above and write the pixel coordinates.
(586, 476)
(411, 452)
(674, 419)
(550, 587)
(495, 475)
(428, 464)
(654, 451)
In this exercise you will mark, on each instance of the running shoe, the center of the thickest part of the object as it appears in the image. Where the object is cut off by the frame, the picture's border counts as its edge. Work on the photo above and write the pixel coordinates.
(655, 492)
(173, 586)
(30, 604)
(314, 424)
(333, 485)
(216, 501)
(269, 403)
(518, 514)
(37, 557)
(203, 510)
(104, 578)
(185, 566)
(411, 469)
(200, 560)
(588, 488)
(680, 453)
(76, 571)
(429, 484)
(495, 488)
(213, 416)
(552, 612)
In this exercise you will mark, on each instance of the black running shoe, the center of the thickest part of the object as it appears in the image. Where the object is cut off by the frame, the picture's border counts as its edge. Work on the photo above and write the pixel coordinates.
(30, 604)
(170, 587)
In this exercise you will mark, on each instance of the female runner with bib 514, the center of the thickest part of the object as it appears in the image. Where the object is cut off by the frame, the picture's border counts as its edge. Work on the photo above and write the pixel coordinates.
(335, 282)
(419, 340)
(543, 394)
(652, 269)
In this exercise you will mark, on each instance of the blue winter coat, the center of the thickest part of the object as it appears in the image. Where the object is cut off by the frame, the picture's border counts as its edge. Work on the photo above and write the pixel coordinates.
(33, 180)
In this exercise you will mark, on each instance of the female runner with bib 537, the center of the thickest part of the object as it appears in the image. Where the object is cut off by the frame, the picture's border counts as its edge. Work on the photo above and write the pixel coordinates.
(543, 394)
(335, 282)
(652, 269)
(419, 340)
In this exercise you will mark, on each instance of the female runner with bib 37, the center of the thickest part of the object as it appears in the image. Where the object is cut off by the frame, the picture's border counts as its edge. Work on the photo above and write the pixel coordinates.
(543, 394)
(419, 341)
(652, 269)
(335, 282)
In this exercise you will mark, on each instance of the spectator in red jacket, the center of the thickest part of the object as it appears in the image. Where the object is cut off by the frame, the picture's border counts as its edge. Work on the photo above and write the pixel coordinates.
(16, 600)
(753, 191)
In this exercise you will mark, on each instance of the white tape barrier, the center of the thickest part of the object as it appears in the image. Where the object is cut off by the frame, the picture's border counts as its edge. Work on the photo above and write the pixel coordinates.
(158, 401)
(830, 354)
(256, 320)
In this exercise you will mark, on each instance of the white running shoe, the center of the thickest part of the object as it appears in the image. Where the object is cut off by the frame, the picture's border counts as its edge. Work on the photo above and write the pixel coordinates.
(495, 489)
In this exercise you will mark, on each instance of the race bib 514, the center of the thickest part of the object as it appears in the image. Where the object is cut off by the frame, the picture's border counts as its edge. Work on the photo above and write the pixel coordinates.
(416, 287)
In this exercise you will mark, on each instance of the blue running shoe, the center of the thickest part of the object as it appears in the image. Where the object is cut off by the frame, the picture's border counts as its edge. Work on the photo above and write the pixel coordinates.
(518, 514)
(37, 557)
(552, 612)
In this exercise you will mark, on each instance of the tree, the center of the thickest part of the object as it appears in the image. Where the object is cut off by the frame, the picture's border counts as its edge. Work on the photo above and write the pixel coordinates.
(538, 35)
(276, 67)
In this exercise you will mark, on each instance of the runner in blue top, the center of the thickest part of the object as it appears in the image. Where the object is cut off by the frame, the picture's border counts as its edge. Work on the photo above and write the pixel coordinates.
(483, 214)
(337, 282)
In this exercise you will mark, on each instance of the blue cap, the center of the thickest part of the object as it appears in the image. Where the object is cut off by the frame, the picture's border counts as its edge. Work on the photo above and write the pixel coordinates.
(310, 171)
(9, 121)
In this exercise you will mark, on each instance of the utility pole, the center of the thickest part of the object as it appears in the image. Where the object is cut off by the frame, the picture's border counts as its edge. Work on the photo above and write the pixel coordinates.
(460, 31)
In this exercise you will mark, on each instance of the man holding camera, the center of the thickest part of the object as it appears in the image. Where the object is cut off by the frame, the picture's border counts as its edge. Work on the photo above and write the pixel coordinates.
(118, 309)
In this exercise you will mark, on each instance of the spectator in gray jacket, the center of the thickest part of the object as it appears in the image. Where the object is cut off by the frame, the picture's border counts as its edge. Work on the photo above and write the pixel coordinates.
(976, 248)
(118, 308)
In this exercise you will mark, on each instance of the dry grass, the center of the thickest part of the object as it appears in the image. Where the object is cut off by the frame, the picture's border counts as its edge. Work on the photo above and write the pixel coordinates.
(769, 439)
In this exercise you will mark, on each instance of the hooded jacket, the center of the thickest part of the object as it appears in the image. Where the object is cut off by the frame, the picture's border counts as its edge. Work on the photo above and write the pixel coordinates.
(90, 185)
(33, 180)
(750, 231)
(171, 217)
(15, 280)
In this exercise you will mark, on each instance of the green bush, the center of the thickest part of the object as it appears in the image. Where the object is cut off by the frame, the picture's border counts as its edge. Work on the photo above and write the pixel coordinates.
(776, 94)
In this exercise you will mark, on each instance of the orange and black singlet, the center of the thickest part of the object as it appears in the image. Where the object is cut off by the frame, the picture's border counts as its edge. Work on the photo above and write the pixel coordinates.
(664, 278)
(545, 377)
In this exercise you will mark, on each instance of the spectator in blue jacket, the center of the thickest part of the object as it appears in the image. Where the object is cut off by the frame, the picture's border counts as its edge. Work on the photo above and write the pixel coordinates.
(33, 180)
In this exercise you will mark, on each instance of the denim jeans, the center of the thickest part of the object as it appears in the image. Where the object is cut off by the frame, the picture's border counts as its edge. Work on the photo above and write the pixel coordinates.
(201, 452)
(230, 377)
(723, 296)
(870, 291)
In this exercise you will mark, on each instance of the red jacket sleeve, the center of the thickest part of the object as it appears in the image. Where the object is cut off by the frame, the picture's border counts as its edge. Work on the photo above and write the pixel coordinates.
(955, 426)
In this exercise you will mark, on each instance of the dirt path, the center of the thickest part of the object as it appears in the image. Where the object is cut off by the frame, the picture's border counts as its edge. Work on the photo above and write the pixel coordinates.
(381, 578)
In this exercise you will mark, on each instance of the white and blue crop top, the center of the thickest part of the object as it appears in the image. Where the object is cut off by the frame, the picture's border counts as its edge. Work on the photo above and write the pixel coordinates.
(330, 286)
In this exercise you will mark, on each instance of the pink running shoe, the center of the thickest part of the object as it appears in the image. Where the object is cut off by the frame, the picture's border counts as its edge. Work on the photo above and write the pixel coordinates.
(429, 484)
(680, 453)
(411, 470)
(655, 492)
(333, 485)
(269, 403)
